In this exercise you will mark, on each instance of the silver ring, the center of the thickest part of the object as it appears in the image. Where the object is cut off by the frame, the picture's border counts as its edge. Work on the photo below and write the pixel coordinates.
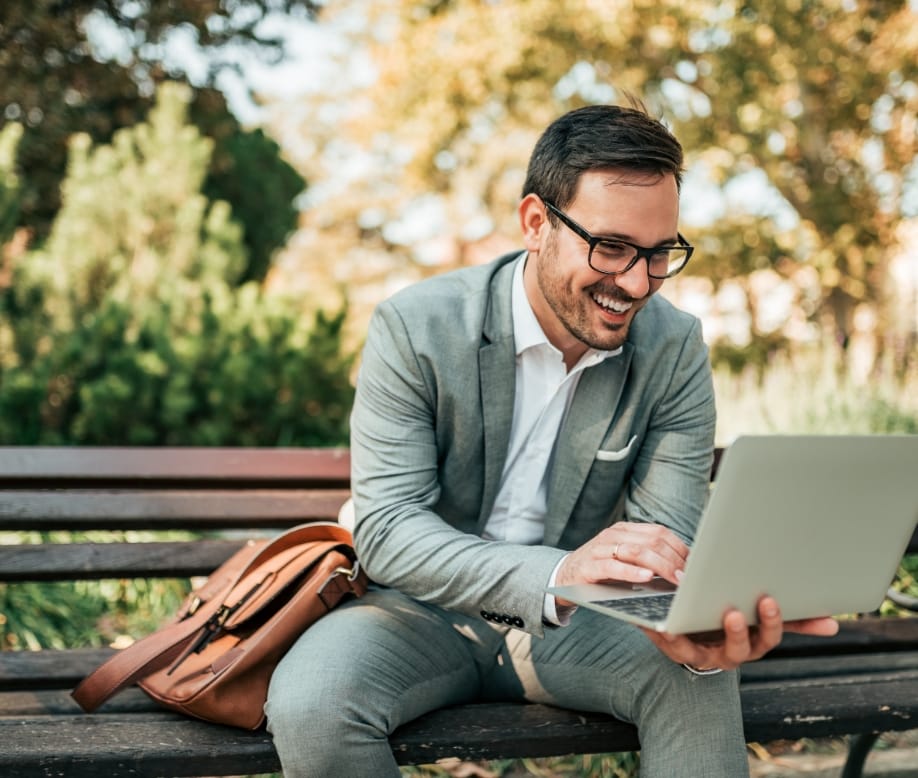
(615, 551)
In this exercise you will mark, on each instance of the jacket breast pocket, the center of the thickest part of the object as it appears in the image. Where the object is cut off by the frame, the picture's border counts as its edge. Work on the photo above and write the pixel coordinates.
(606, 455)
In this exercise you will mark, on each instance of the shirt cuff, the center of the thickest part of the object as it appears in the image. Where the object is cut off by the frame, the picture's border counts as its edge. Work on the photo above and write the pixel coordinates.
(551, 612)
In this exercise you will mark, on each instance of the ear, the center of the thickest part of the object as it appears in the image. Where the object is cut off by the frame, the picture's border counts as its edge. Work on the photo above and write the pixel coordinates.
(533, 222)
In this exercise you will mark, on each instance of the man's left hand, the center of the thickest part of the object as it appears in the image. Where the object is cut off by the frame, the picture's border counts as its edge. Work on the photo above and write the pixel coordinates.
(739, 643)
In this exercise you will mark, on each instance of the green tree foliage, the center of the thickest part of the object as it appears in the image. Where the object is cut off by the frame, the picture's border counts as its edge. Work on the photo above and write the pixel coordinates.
(820, 97)
(130, 327)
(261, 187)
(52, 81)
(35, 615)
(10, 184)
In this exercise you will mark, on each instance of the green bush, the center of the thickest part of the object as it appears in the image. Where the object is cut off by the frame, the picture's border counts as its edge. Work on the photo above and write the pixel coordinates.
(72, 614)
(131, 324)
(250, 374)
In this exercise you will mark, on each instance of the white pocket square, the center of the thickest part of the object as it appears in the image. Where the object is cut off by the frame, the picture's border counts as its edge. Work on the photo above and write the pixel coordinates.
(616, 456)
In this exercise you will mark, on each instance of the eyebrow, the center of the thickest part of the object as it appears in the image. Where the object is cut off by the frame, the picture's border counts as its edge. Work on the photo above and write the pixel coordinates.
(665, 242)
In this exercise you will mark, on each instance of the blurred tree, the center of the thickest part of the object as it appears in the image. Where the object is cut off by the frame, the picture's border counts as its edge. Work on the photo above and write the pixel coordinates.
(821, 95)
(129, 325)
(261, 188)
(54, 82)
(10, 184)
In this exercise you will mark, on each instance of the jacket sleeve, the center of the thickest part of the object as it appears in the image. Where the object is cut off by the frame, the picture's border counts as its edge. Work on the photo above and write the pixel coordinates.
(671, 477)
(399, 537)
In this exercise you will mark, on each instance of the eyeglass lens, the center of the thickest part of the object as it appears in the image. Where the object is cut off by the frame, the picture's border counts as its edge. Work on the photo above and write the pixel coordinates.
(613, 257)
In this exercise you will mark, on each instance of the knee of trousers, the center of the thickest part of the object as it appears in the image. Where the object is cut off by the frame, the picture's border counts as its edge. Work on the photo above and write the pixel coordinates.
(315, 707)
(673, 690)
(320, 733)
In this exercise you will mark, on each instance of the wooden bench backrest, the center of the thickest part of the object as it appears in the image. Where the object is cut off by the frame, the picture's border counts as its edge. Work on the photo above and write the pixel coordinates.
(43, 489)
(200, 490)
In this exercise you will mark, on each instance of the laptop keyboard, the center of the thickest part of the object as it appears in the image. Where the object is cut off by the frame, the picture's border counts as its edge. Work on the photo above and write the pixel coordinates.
(654, 607)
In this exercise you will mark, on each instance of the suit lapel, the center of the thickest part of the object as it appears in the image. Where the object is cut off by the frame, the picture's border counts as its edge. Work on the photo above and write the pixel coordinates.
(497, 376)
(582, 432)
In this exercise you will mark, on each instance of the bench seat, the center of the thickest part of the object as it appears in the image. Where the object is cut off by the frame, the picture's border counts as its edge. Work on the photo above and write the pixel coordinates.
(43, 731)
(202, 503)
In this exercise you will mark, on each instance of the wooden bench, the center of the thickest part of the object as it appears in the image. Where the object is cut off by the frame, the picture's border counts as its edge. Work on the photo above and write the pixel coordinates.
(863, 682)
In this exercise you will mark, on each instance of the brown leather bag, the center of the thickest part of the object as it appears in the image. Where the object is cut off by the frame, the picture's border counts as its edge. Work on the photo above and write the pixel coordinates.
(215, 659)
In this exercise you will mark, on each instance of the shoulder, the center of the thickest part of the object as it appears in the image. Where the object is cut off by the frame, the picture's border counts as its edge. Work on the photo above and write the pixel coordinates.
(451, 300)
(660, 323)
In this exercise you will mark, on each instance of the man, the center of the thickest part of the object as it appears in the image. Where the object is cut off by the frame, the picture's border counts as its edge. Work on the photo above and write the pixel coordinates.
(542, 419)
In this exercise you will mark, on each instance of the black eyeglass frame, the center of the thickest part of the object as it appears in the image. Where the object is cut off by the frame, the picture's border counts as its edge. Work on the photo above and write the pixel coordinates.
(641, 252)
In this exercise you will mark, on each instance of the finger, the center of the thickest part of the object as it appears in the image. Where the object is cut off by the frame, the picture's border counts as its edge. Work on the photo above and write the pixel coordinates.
(663, 563)
(648, 546)
(770, 629)
(617, 570)
(646, 533)
(826, 627)
(590, 564)
(685, 649)
(736, 648)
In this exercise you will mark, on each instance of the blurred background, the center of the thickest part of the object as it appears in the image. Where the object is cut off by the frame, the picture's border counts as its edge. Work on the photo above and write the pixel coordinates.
(200, 204)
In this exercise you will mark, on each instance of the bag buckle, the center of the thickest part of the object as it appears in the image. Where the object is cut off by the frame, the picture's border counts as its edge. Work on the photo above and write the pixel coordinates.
(351, 573)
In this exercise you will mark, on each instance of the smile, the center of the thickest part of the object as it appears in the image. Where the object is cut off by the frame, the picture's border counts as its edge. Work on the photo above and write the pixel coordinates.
(611, 304)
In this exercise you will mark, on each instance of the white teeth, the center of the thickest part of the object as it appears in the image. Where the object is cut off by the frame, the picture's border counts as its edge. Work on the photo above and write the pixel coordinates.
(616, 306)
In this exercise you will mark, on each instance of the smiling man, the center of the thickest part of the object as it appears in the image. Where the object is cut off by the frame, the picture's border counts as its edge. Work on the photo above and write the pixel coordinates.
(543, 419)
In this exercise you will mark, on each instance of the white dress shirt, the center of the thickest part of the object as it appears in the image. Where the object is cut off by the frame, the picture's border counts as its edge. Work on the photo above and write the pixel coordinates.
(544, 390)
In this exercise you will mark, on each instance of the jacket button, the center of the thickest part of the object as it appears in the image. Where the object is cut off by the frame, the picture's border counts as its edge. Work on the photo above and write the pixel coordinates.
(507, 619)
(518, 622)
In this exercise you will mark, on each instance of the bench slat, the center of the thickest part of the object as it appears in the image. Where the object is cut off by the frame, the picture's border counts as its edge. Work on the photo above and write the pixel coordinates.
(58, 702)
(55, 669)
(818, 668)
(48, 669)
(868, 633)
(130, 465)
(141, 745)
(67, 509)
(88, 561)
(151, 744)
(771, 712)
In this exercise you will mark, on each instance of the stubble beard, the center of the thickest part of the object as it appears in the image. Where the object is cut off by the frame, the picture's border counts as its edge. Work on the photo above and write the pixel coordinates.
(575, 308)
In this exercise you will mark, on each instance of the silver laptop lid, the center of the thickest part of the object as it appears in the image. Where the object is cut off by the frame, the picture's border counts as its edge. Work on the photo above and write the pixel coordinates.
(819, 522)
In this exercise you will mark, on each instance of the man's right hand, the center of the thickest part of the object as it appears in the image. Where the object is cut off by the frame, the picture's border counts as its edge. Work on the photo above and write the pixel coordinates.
(626, 551)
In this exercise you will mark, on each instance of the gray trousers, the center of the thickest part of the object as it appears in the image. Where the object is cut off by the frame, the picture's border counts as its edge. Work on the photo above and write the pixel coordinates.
(380, 661)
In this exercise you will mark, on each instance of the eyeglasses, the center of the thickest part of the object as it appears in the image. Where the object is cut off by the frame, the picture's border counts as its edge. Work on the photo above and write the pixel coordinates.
(614, 257)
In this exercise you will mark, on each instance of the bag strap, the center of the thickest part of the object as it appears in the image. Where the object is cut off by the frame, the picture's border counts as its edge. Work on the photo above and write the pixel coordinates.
(157, 650)
(146, 656)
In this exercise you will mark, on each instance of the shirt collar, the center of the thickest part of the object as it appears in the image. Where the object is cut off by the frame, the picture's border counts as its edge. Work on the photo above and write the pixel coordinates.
(527, 332)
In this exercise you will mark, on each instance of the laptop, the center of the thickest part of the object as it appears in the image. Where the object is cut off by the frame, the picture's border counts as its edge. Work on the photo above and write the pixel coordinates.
(820, 522)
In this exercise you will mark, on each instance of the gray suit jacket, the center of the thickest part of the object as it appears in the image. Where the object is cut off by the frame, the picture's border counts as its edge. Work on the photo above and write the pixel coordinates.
(431, 425)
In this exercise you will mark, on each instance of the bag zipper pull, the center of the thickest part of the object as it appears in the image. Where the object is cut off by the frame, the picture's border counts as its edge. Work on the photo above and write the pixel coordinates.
(205, 635)
(212, 626)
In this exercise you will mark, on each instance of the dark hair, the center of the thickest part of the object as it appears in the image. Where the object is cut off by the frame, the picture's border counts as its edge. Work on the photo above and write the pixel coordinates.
(595, 137)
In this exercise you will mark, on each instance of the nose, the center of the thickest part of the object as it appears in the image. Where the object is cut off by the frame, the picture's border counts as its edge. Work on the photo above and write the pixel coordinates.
(634, 281)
